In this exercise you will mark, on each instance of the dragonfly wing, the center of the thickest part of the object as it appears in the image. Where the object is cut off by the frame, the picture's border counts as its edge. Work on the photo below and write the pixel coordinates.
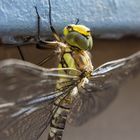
(103, 88)
(27, 93)
(28, 126)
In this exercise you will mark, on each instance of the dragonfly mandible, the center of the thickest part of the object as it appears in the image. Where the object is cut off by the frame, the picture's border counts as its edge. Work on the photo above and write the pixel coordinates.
(33, 98)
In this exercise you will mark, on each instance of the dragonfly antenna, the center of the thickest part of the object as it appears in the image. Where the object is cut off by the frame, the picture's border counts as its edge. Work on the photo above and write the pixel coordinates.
(77, 21)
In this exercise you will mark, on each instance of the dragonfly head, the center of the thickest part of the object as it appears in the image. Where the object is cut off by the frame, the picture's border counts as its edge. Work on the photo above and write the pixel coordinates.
(78, 36)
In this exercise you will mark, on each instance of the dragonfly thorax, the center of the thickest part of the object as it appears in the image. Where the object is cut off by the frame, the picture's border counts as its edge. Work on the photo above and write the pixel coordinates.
(75, 59)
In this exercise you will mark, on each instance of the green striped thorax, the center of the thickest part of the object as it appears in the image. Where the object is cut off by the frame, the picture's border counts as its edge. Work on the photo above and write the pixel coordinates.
(78, 36)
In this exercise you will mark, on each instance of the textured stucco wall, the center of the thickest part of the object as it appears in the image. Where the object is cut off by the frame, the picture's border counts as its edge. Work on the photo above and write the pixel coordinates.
(106, 18)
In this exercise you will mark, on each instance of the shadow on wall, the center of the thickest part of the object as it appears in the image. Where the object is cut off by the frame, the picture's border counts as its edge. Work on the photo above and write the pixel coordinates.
(103, 51)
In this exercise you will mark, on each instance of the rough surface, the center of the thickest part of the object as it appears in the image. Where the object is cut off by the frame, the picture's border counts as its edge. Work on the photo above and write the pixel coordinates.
(106, 18)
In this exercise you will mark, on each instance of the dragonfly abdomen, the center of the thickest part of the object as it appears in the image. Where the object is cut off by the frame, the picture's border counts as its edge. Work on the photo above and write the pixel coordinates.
(58, 123)
(61, 109)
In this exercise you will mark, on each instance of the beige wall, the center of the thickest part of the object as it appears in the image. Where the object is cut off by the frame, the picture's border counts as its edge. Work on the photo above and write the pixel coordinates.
(122, 119)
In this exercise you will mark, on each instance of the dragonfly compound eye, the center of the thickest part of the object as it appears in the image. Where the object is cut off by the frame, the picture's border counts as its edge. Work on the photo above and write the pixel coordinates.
(78, 36)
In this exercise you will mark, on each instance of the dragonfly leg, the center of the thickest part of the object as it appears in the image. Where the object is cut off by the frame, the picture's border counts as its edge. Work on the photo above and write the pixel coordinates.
(38, 24)
(20, 52)
(40, 44)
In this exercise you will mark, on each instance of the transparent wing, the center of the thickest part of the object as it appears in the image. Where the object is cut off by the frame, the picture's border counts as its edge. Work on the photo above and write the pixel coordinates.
(103, 88)
(27, 93)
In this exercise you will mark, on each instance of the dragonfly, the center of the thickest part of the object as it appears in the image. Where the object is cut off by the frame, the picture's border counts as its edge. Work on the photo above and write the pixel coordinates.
(33, 98)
